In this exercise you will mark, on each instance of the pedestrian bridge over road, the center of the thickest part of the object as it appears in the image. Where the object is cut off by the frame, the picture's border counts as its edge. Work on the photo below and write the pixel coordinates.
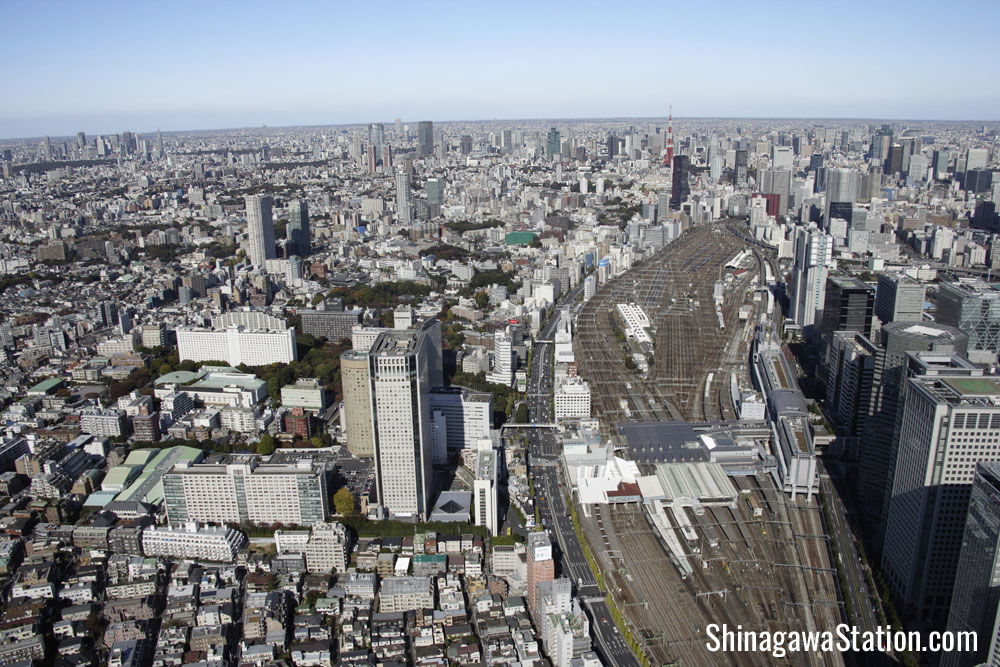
(528, 426)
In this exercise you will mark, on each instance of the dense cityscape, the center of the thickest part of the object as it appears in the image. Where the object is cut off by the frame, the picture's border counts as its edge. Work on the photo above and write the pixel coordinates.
(533, 335)
(557, 392)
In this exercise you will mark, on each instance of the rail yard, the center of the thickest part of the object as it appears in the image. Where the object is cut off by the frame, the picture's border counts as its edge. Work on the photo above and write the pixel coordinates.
(766, 564)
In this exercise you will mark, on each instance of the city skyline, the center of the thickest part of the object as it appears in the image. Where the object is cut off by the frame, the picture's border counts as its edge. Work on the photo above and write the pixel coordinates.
(116, 66)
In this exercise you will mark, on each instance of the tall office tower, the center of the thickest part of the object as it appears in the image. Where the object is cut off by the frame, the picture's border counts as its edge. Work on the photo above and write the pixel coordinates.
(159, 145)
(916, 171)
(841, 193)
(612, 146)
(848, 305)
(503, 360)
(977, 181)
(403, 436)
(680, 188)
(298, 230)
(947, 423)
(899, 298)
(974, 307)
(813, 254)
(404, 213)
(940, 162)
(552, 143)
(781, 157)
(399, 127)
(431, 328)
(46, 149)
(506, 140)
(355, 377)
(740, 167)
(434, 187)
(356, 151)
(81, 140)
(881, 143)
(261, 227)
(668, 152)
(715, 168)
(465, 144)
(976, 158)
(541, 566)
(777, 182)
(894, 162)
(896, 340)
(851, 358)
(976, 594)
(376, 138)
(425, 138)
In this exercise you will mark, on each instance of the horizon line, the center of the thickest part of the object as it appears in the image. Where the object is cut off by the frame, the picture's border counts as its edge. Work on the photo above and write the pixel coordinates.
(514, 120)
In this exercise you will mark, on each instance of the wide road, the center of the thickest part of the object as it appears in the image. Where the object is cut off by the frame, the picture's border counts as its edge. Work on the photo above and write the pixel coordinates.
(543, 450)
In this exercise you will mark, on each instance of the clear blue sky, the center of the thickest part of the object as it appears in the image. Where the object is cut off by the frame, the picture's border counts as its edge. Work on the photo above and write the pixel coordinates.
(104, 65)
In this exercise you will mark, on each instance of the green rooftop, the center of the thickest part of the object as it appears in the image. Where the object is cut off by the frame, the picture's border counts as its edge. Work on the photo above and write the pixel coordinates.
(519, 238)
(974, 386)
(45, 386)
(147, 487)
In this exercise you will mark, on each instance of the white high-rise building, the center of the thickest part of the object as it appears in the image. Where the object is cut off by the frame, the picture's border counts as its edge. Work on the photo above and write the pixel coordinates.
(246, 493)
(813, 255)
(261, 228)
(947, 423)
(503, 360)
(572, 399)
(401, 412)
(237, 345)
(403, 214)
(484, 490)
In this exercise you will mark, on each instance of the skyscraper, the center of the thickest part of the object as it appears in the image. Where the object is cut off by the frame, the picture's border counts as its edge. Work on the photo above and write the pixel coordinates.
(552, 141)
(813, 254)
(841, 193)
(777, 182)
(848, 305)
(298, 230)
(974, 307)
(355, 377)
(261, 228)
(402, 430)
(947, 423)
(425, 138)
(404, 212)
(899, 298)
(680, 189)
(976, 594)
(895, 340)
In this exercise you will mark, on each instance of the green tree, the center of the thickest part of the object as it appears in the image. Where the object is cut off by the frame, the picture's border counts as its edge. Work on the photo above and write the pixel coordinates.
(343, 501)
(266, 445)
(521, 415)
(482, 300)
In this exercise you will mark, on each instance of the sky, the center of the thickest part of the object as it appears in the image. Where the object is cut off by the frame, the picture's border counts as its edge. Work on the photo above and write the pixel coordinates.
(110, 66)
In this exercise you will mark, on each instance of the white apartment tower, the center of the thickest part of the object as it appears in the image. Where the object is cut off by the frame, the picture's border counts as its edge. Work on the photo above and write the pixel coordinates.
(503, 360)
(813, 255)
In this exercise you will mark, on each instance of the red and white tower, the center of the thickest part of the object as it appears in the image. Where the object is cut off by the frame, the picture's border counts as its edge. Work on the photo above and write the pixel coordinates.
(668, 155)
